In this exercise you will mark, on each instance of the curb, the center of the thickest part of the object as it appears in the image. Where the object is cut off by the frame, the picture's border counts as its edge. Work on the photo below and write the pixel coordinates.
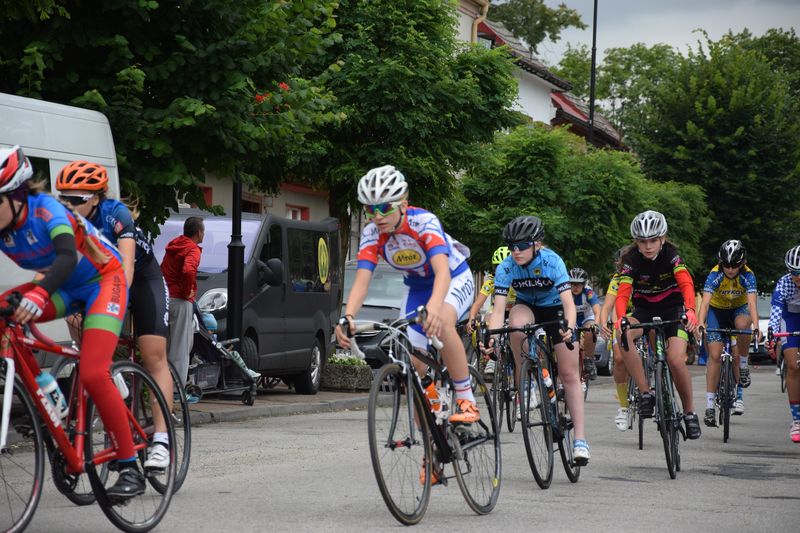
(266, 411)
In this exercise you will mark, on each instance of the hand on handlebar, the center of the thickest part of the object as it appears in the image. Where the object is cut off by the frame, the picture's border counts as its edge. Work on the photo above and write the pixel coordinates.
(433, 320)
(469, 327)
(606, 330)
(490, 350)
(344, 330)
(691, 320)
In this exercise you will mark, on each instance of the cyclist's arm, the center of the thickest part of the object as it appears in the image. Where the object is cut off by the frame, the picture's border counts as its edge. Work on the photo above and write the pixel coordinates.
(596, 310)
(704, 303)
(476, 307)
(496, 319)
(624, 292)
(605, 311)
(64, 263)
(686, 286)
(127, 248)
(776, 313)
(753, 308)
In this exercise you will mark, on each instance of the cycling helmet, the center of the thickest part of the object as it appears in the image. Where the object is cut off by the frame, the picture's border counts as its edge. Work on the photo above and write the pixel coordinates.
(500, 254)
(382, 184)
(793, 259)
(15, 169)
(648, 225)
(578, 275)
(83, 176)
(524, 228)
(732, 253)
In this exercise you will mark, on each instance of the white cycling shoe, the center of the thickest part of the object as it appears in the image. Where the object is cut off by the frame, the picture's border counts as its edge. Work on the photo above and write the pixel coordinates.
(621, 420)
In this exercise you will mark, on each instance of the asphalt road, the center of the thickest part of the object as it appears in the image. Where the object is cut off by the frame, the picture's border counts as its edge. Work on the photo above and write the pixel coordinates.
(313, 473)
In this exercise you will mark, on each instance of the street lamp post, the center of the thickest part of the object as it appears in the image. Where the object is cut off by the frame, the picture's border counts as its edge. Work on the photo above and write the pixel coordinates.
(235, 263)
(591, 86)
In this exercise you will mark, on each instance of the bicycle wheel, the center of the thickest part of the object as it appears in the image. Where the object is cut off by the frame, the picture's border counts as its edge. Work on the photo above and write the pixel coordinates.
(510, 394)
(22, 461)
(399, 445)
(783, 374)
(566, 443)
(726, 397)
(499, 387)
(477, 453)
(537, 431)
(664, 415)
(182, 422)
(144, 512)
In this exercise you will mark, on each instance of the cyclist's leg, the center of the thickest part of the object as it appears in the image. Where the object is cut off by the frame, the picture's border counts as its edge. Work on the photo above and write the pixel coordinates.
(793, 388)
(589, 342)
(714, 344)
(569, 373)
(631, 356)
(519, 315)
(741, 321)
(621, 374)
(676, 357)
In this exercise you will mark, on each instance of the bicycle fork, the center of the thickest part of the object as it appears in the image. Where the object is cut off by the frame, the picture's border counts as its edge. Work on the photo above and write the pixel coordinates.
(8, 392)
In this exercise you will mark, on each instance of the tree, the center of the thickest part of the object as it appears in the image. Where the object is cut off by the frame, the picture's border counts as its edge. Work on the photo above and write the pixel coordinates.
(726, 120)
(189, 87)
(778, 46)
(412, 96)
(586, 198)
(533, 21)
(576, 67)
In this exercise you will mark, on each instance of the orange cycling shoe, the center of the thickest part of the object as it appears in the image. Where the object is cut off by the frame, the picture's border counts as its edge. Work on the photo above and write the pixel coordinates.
(466, 412)
(436, 474)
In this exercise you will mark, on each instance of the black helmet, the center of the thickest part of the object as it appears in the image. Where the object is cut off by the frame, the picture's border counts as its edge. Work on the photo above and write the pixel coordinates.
(732, 254)
(524, 228)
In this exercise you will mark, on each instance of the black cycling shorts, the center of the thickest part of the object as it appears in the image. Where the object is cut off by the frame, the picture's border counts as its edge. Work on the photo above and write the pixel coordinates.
(149, 301)
(546, 314)
(646, 314)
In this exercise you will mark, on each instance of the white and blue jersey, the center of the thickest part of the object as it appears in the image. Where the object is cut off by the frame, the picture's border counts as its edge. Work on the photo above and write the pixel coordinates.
(584, 302)
(114, 219)
(539, 284)
(786, 306)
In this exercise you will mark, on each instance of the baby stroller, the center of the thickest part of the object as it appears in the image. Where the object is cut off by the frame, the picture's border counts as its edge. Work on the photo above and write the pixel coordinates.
(215, 368)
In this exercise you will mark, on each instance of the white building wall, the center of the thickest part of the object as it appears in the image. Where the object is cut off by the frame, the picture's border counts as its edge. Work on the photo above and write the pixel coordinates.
(468, 11)
(534, 97)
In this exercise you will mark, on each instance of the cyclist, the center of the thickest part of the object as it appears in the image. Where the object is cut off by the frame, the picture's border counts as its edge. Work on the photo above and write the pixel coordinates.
(487, 290)
(786, 307)
(587, 305)
(84, 186)
(540, 278)
(436, 274)
(80, 270)
(608, 315)
(729, 301)
(656, 277)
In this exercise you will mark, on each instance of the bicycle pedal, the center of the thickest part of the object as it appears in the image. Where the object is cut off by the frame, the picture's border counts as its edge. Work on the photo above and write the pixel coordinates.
(153, 471)
(116, 501)
(581, 462)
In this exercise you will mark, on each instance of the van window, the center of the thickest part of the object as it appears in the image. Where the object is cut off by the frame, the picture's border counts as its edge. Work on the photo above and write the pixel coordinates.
(274, 247)
(41, 171)
(310, 261)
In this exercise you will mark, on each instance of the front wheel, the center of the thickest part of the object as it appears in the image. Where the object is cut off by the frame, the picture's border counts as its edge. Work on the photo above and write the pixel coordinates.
(667, 417)
(726, 394)
(537, 431)
(783, 374)
(182, 421)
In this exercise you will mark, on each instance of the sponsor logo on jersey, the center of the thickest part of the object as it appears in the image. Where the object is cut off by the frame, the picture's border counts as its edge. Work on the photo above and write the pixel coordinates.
(532, 283)
(44, 214)
(406, 257)
(112, 308)
(537, 271)
(30, 237)
(8, 240)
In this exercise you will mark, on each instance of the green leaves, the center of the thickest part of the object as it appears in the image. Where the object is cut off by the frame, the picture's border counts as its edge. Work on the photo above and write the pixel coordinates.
(533, 21)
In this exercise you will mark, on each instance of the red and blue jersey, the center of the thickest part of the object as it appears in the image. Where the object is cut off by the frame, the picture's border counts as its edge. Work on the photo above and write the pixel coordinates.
(411, 246)
(30, 245)
(115, 221)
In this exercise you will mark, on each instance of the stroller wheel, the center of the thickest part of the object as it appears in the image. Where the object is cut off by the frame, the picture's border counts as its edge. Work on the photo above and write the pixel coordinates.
(248, 398)
(194, 390)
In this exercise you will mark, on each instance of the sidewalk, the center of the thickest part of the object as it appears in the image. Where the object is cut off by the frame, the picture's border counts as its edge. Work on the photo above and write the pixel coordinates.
(278, 401)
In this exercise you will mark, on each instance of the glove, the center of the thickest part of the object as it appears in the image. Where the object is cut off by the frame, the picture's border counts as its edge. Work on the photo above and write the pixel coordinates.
(34, 301)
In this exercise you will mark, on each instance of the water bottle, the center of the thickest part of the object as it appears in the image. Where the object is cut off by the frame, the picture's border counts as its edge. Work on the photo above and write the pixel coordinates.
(548, 383)
(50, 387)
(119, 381)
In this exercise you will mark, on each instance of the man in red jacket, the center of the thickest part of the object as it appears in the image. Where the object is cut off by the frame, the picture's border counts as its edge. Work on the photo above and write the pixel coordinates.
(179, 267)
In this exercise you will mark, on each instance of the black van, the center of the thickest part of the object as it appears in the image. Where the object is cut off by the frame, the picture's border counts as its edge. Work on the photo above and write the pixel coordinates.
(290, 307)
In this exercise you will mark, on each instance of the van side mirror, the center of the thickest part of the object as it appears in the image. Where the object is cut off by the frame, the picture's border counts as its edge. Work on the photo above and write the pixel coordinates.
(270, 273)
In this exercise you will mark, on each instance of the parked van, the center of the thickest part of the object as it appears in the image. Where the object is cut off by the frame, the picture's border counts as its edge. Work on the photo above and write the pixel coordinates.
(292, 289)
(52, 135)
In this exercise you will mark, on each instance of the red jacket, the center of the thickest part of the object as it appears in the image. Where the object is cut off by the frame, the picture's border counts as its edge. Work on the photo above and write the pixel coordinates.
(180, 268)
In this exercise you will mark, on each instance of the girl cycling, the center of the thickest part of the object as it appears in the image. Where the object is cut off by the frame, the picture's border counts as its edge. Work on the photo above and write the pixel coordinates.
(436, 275)
(587, 307)
(79, 271)
(656, 276)
(786, 307)
(729, 301)
(84, 186)
(540, 278)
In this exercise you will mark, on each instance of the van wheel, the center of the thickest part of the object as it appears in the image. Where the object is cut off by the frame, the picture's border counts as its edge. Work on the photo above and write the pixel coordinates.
(309, 381)
(249, 352)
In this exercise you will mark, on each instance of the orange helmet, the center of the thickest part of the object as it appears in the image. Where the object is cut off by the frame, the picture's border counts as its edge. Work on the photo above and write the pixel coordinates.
(83, 176)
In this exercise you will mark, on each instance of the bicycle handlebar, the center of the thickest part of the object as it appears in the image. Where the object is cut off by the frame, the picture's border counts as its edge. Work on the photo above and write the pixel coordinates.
(657, 323)
(728, 332)
(590, 329)
(527, 329)
(420, 318)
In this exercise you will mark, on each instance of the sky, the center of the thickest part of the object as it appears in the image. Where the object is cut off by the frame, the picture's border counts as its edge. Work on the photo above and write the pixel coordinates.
(622, 23)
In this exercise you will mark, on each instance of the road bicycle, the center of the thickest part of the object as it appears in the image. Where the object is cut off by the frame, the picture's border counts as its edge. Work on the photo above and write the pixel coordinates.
(504, 388)
(411, 439)
(633, 391)
(668, 416)
(77, 444)
(726, 386)
(783, 362)
(584, 361)
(544, 413)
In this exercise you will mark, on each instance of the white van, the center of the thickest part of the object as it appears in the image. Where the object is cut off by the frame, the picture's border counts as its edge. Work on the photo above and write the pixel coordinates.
(53, 135)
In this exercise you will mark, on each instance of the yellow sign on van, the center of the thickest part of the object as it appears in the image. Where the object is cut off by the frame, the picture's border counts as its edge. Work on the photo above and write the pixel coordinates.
(406, 258)
(323, 261)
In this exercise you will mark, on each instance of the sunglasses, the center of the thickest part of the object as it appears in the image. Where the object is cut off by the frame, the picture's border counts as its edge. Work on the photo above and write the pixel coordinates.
(520, 246)
(75, 199)
(371, 211)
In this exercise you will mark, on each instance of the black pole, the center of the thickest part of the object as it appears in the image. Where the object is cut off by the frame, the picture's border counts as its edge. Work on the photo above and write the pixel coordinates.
(591, 87)
(236, 263)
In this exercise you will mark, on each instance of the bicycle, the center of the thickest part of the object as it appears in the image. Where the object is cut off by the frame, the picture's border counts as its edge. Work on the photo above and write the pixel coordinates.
(633, 390)
(504, 388)
(410, 442)
(75, 445)
(771, 338)
(468, 339)
(782, 370)
(584, 367)
(543, 408)
(668, 416)
(726, 386)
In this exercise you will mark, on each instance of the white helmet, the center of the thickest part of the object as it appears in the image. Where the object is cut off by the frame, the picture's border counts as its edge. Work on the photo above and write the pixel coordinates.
(382, 184)
(792, 259)
(15, 169)
(648, 225)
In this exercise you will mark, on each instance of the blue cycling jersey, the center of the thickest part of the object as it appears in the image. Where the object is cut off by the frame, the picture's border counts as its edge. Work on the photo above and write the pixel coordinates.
(114, 219)
(584, 303)
(785, 302)
(540, 283)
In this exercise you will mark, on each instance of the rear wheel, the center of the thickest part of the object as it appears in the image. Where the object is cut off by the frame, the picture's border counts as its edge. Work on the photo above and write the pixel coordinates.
(510, 393)
(22, 462)
(566, 443)
(537, 431)
(499, 386)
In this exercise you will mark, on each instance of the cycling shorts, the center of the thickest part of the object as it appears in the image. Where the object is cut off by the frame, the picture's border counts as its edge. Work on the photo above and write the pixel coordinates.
(460, 295)
(149, 301)
(582, 319)
(723, 319)
(792, 324)
(646, 314)
(547, 314)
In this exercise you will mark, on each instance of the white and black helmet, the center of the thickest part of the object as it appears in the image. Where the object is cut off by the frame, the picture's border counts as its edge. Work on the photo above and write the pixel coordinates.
(524, 228)
(732, 253)
(648, 225)
(578, 275)
(382, 184)
(792, 259)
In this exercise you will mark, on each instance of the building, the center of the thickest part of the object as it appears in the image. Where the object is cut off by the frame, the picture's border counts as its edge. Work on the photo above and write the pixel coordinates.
(574, 112)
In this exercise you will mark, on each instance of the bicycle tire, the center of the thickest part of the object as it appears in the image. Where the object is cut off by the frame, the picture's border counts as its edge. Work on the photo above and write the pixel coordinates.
(783, 375)
(478, 463)
(144, 512)
(537, 429)
(499, 386)
(388, 412)
(182, 422)
(510, 394)
(566, 442)
(22, 464)
(727, 395)
(664, 416)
